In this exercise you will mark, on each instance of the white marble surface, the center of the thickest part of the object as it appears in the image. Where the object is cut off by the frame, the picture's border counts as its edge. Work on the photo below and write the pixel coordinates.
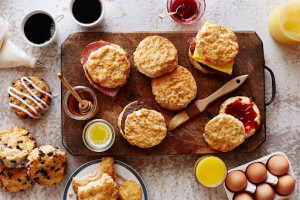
(167, 177)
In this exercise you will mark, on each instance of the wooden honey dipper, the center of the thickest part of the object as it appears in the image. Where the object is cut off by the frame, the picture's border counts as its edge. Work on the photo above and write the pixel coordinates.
(84, 106)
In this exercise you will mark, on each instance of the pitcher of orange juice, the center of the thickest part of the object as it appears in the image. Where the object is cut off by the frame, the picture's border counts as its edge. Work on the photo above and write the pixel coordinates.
(284, 23)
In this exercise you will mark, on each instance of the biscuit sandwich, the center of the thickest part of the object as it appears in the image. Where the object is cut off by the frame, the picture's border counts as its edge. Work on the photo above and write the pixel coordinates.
(106, 66)
(155, 56)
(213, 50)
(244, 109)
(174, 91)
(142, 126)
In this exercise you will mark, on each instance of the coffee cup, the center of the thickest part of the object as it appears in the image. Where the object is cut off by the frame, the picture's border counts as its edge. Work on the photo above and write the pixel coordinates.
(39, 28)
(86, 13)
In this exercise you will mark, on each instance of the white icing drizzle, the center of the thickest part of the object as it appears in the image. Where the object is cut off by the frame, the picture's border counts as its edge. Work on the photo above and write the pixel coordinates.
(33, 98)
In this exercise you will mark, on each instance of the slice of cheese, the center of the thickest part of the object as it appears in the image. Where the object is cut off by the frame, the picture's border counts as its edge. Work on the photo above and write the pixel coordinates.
(199, 58)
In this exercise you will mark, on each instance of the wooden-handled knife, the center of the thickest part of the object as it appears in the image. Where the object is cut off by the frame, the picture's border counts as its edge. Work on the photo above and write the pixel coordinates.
(200, 105)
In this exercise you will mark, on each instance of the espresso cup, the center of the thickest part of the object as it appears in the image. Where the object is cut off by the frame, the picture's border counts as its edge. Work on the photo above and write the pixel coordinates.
(81, 13)
(31, 28)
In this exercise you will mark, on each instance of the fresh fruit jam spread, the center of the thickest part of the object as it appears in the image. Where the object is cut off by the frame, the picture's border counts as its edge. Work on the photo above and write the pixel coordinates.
(244, 112)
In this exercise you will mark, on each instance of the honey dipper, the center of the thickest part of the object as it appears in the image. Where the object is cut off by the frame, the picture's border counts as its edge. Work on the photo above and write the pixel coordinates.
(84, 106)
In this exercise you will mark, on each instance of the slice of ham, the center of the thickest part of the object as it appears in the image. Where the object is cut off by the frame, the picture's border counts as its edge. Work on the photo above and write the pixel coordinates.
(192, 42)
(84, 58)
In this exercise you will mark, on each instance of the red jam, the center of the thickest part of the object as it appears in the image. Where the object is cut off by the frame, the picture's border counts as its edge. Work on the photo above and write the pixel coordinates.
(244, 112)
(187, 11)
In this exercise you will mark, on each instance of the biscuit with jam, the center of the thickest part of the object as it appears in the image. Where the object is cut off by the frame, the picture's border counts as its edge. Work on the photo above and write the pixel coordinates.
(15, 145)
(47, 165)
(176, 90)
(224, 133)
(14, 180)
(155, 56)
(244, 109)
(29, 97)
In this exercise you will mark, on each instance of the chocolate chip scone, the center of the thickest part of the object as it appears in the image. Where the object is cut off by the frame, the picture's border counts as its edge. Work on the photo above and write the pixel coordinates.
(47, 165)
(29, 96)
(15, 145)
(14, 180)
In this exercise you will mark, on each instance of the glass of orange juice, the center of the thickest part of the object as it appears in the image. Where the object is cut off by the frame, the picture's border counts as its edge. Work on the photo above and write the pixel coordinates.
(284, 23)
(210, 171)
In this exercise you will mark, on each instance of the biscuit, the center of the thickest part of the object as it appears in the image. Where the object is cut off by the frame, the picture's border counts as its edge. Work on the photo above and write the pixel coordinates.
(36, 100)
(130, 190)
(106, 166)
(251, 123)
(176, 90)
(102, 189)
(145, 128)
(14, 180)
(217, 44)
(15, 145)
(155, 56)
(47, 165)
(108, 66)
(224, 133)
(130, 108)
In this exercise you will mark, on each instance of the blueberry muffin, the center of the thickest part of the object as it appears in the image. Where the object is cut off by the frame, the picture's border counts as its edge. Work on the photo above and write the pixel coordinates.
(14, 180)
(29, 97)
(47, 165)
(15, 145)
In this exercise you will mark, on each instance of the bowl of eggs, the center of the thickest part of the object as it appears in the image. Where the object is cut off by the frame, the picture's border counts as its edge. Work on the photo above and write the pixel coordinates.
(268, 178)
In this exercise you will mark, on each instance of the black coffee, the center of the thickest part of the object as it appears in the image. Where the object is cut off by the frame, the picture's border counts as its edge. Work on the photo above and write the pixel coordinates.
(39, 28)
(86, 11)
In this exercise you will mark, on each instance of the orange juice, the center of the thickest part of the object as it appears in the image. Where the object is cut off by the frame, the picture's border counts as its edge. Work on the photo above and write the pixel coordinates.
(284, 23)
(210, 171)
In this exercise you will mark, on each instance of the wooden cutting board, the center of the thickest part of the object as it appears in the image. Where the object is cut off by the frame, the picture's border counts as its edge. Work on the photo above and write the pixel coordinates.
(188, 138)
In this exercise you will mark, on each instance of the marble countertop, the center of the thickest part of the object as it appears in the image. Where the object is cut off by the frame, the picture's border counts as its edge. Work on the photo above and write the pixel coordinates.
(166, 177)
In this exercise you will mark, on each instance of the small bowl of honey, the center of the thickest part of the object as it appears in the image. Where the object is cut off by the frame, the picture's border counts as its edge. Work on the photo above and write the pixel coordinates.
(71, 105)
(98, 135)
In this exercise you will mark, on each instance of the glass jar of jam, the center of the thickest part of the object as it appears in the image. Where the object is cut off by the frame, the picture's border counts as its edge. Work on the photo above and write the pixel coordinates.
(71, 105)
(187, 11)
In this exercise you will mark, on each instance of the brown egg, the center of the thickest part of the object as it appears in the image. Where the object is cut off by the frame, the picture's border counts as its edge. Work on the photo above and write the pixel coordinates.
(243, 196)
(278, 165)
(236, 181)
(285, 185)
(256, 172)
(264, 192)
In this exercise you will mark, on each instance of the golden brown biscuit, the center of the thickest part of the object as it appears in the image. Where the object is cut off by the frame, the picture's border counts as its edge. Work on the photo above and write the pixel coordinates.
(176, 90)
(109, 66)
(130, 190)
(102, 189)
(15, 145)
(245, 107)
(34, 108)
(155, 56)
(224, 133)
(47, 165)
(105, 166)
(14, 180)
(145, 128)
(217, 44)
